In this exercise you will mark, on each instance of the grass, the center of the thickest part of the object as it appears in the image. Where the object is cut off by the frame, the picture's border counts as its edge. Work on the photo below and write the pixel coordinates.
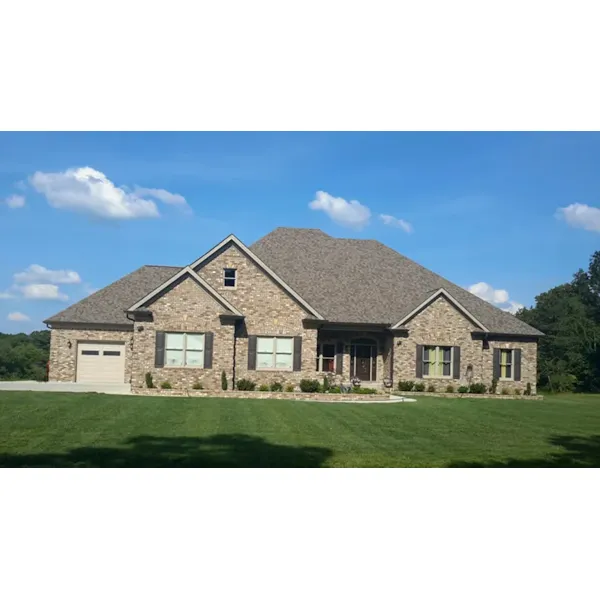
(93, 430)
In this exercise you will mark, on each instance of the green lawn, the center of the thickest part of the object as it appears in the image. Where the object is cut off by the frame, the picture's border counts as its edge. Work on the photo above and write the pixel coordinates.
(95, 430)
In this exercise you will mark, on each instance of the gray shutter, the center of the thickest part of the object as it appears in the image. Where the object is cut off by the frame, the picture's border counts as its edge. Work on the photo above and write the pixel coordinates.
(208, 350)
(496, 368)
(456, 363)
(159, 349)
(339, 358)
(419, 362)
(251, 352)
(374, 373)
(297, 353)
(517, 364)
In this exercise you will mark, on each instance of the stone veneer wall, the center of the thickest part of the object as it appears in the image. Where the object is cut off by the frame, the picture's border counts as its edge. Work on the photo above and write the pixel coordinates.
(268, 309)
(442, 324)
(187, 307)
(63, 360)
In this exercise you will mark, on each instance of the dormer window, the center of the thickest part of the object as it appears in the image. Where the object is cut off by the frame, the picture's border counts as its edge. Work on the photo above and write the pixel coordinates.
(229, 277)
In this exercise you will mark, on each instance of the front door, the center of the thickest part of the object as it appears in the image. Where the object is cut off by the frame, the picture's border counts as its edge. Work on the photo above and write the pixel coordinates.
(364, 359)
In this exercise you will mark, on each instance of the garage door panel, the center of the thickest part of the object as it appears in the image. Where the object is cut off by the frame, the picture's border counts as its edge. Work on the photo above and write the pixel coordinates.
(100, 363)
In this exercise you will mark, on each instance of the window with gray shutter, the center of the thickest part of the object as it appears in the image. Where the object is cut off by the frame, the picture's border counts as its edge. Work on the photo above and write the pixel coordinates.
(208, 350)
(159, 349)
(517, 364)
(456, 363)
(419, 362)
(297, 353)
(251, 352)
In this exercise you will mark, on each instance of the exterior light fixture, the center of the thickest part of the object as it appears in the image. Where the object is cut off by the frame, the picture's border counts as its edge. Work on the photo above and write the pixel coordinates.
(387, 382)
(69, 344)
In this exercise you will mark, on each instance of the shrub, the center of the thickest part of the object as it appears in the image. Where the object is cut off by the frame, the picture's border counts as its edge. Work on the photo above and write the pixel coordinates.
(528, 390)
(223, 381)
(419, 387)
(363, 390)
(289, 387)
(505, 391)
(449, 389)
(276, 387)
(165, 385)
(326, 385)
(406, 386)
(517, 392)
(309, 386)
(263, 387)
(494, 386)
(463, 389)
(149, 380)
(198, 386)
(431, 387)
(246, 385)
(335, 389)
(477, 388)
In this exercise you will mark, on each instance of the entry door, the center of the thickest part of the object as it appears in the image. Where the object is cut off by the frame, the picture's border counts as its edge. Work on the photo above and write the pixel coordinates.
(100, 363)
(364, 357)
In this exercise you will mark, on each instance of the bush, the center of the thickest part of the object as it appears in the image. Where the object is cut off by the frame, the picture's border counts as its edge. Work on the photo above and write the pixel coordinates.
(198, 386)
(289, 387)
(463, 389)
(419, 387)
(326, 385)
(449, 389)
(165, 385)
(223, 381)
(528, 390)
(246, 385)
(406, 386)
(309, 386)
(149, 380)
(431, 387)
(335, 389)
(363, 390)
(263, 387)
(517, 392)
(494, 386)
(477, 388)
(505, 391)
(276, 387)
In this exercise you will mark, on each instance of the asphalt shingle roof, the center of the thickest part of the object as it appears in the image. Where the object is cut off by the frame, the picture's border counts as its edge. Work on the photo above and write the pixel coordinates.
(364, 281)
(108, 305)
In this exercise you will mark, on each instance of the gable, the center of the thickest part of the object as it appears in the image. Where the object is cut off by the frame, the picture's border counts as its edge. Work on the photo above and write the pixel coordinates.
(255, 294)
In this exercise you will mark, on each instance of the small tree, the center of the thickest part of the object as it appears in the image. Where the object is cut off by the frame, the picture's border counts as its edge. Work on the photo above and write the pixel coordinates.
(149, 380)
(223, 380)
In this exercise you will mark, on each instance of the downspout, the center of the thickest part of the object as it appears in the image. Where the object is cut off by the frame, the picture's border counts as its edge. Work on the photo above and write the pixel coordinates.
(131, 349)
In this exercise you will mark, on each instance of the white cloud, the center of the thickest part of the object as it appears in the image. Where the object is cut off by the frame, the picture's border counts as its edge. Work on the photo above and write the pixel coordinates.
(498, 297)
(15, 201)
(18, 316)
(86, 190)
(350, 214)
(39, 274)
(394, 222)
(6, 295)
(42, 291)
(162, 195)
(581, 216)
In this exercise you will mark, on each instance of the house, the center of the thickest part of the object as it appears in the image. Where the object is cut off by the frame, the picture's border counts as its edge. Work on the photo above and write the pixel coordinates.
(296, 304)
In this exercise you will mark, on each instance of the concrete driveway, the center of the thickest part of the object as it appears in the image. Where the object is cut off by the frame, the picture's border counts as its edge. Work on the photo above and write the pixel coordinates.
(54, 386)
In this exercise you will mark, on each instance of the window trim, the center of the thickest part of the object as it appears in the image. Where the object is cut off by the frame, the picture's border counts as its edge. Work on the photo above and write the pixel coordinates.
(273, 367)
(234, 278)
(320, 356)
(184, 349)
(437, 348)
(511, 364)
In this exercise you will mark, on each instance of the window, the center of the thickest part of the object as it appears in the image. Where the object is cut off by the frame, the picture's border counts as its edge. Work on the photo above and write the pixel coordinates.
(111, 353)
(184, 350)
(90, 352)
(326, 358)
(437, 361)
(274, 353)
(229, 277)
(506, 364)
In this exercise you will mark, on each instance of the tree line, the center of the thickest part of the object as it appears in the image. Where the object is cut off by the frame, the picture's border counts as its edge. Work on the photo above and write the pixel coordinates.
(24, 356)
(569, 315)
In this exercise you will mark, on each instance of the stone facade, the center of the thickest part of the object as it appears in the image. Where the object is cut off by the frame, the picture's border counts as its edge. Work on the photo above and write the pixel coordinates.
(63, 360)
(186, 307)
(441, 324)
(270, 311)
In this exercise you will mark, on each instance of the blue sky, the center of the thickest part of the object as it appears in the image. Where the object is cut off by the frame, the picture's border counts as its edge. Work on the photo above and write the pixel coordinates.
(514, 212)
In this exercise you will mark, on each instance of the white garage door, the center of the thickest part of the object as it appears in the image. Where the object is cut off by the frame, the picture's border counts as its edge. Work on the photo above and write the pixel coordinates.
(100, 363)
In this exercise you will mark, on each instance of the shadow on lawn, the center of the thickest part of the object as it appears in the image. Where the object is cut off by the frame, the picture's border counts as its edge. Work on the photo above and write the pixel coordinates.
(234, 450)
(577, 451)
